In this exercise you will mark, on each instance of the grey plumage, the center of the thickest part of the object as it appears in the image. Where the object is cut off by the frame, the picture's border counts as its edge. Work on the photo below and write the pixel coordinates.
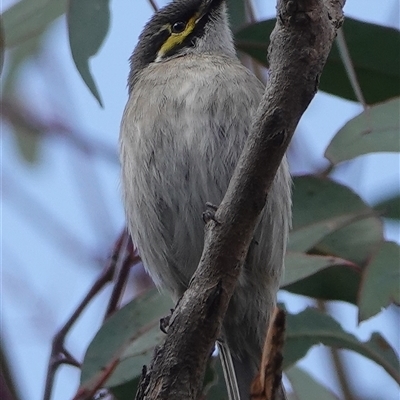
(183, 129)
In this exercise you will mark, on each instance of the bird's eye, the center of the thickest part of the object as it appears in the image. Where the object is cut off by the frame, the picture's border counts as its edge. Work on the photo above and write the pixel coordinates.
(178, 27)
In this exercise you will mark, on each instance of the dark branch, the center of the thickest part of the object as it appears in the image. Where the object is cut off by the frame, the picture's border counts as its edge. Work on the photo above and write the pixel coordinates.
(122, 258)
(300, 44)
(267, 385)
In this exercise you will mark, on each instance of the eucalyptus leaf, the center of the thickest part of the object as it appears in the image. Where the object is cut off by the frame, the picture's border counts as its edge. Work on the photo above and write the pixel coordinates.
(377, 67)
(299, 266)
(306, 387)
(389, 208)
(357, 242)
(335, 283)
(312, 327)
(254, 39)
(375, 130)
(323, 201)
(127, 390)
(330, 220)
(88, 23)
(319, 201)
(28, 140)
(29, 18)
(237, 13)
(380, 285)
(306, 237)
(27, 135)
(126, 341)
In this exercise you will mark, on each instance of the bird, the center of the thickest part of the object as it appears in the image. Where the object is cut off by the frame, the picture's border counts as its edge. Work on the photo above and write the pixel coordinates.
(189, 111)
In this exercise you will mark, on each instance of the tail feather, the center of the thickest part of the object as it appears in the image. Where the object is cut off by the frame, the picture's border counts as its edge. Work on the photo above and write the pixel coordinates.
(245, 373)
(229, 371)
(239, 374)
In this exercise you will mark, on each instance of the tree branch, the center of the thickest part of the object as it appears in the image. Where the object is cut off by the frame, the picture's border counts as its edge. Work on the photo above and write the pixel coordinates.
(266, 385)
(300, 44)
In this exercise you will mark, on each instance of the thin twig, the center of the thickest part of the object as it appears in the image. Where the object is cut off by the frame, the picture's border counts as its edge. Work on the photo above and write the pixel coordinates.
(267, 384)
(127, 258)
(326, 171)
(8, 389)
(342, 374)
(153, 5)
(20, 115)
(338, 363)
(250, 11)
(348, 64)
(59, 354)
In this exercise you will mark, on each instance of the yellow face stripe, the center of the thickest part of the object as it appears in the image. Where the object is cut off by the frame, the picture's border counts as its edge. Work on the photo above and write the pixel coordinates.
(175, 39)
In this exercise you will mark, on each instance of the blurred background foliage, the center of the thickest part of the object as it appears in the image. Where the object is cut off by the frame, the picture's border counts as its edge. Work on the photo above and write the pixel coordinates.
(343, 247)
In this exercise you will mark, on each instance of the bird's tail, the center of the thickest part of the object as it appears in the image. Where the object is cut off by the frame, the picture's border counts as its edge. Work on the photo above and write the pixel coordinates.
(239, 374)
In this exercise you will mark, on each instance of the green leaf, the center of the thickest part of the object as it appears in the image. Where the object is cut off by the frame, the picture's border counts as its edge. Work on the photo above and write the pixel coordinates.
(28, 141)
(356, 242)
(379, 81)
(299, 266)
(127, 390)
(88, 23)
(27, 134)
(335, 283)
(254, 39)
(306, 387)
(306, 237)
(380, 285)
(320, 206)
(323, 201)
(389, 208)
(374, 130)
(126, 341)
(29, 18)
(319, 201)
(237, 13)
(311, 327)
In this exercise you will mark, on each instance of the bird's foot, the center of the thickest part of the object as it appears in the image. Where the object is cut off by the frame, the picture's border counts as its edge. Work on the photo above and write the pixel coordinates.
(164, 322)
(209, 214)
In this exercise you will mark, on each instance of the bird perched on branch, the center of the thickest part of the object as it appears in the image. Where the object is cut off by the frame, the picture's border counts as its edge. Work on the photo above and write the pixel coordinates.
(189, 112)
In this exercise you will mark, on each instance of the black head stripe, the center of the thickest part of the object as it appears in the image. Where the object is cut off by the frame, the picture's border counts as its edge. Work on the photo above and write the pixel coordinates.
(156, 32)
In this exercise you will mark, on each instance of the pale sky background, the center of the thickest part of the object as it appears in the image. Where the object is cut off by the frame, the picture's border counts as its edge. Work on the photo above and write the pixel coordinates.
(43, 279)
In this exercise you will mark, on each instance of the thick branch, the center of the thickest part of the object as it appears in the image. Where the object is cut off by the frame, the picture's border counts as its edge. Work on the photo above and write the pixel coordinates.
(300, 44)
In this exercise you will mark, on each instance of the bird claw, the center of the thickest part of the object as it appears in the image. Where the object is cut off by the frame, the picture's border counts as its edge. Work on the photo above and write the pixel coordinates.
(164, 322)
(209, 215)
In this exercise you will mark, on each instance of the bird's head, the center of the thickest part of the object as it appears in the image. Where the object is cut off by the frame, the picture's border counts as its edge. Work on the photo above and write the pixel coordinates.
(180, 28)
